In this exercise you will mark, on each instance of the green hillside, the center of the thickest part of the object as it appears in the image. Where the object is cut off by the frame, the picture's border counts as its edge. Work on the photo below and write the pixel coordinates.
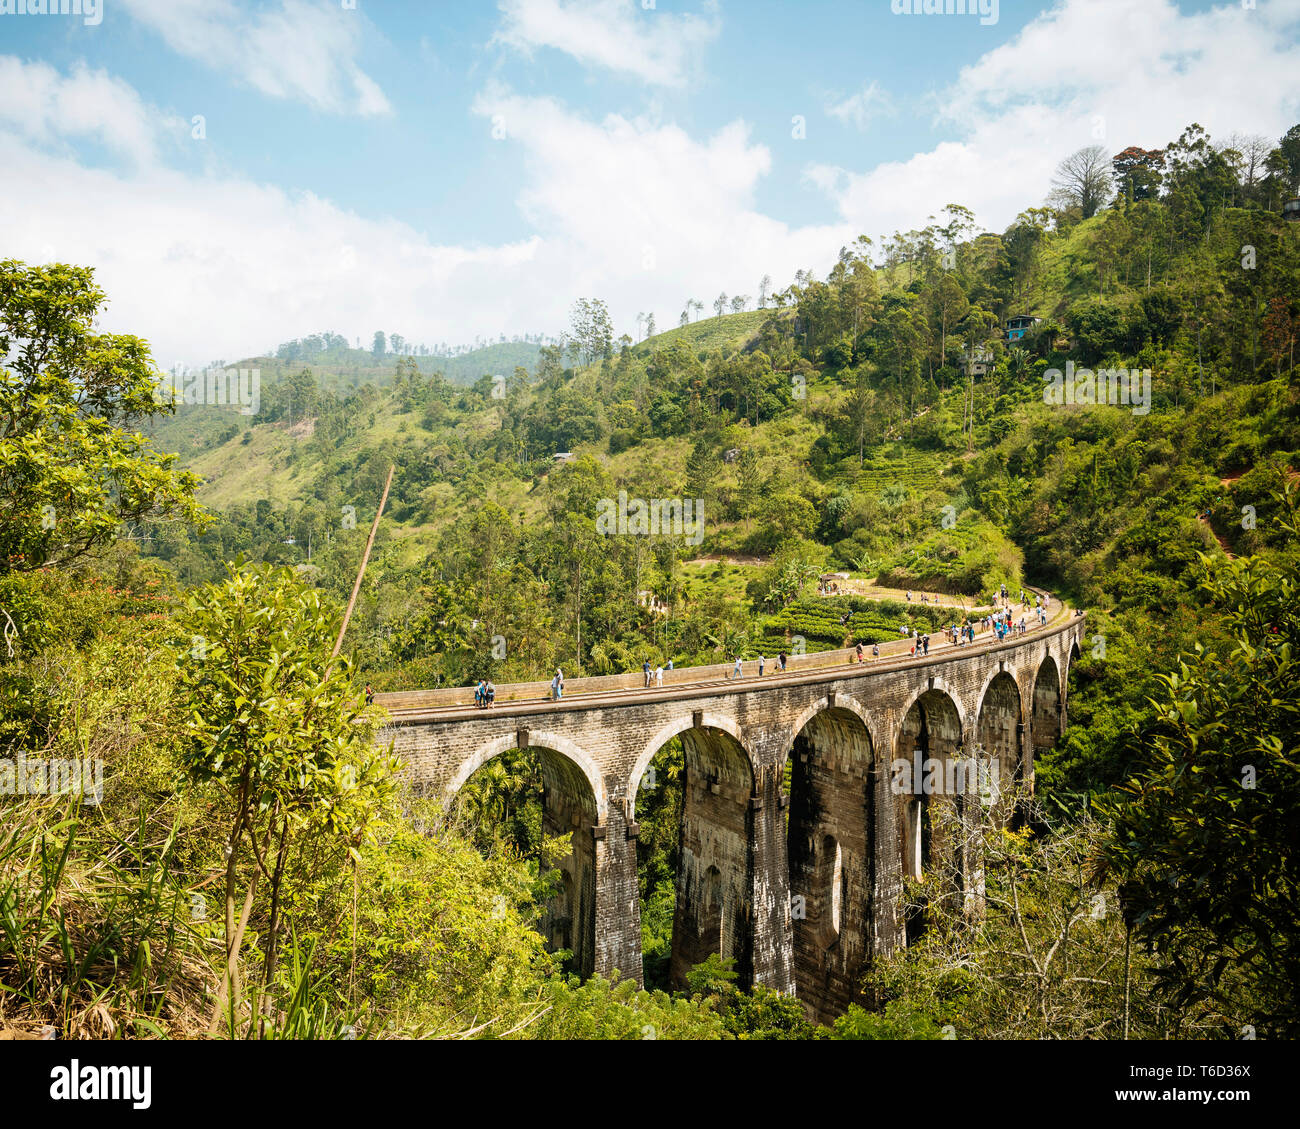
(881, 422)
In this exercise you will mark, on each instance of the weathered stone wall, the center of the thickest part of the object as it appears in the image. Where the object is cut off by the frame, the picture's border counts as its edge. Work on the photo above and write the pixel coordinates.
(568, 807)
(831, 851)
(714, 912)
(1000, 739)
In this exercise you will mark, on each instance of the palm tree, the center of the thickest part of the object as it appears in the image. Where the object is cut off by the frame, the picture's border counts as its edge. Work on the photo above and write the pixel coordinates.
(866, 564)
(1017, 361)
(893, 496)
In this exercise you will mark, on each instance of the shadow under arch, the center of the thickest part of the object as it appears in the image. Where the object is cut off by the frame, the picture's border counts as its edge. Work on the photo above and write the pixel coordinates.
(999, 737)
(928, 787)
(1046, 718)
(549, 772)
(713, 890)
(835, 788)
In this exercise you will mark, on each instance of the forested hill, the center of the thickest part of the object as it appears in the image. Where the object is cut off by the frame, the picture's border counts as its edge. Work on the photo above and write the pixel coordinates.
(901, 420)
(338, 369)
(881, 421)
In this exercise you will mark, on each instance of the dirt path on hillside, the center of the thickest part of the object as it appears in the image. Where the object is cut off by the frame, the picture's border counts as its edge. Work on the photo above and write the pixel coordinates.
(870, 590)
(739, 562)
(1230, 480)
(1227, 550)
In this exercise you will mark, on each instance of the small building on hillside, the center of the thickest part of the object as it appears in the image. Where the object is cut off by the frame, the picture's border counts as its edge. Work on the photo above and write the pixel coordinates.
(564, 456)
(1291, 210)
(1019, 325)
(976, 362)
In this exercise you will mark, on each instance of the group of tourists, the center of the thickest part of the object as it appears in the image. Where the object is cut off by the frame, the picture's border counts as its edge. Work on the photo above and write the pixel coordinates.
(1000, 622)
(657, 674)
(738, 669)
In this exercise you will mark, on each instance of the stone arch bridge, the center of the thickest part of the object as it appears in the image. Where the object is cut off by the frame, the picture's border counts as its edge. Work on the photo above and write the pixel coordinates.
(801, 884)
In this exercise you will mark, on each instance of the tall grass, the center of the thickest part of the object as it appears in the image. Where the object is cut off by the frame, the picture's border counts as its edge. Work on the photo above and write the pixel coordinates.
(96, 930)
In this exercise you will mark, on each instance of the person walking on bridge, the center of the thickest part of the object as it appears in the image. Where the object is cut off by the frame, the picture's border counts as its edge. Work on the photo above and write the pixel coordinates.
(737, 672)
(659, 675)
(762, 662)
(557, 685)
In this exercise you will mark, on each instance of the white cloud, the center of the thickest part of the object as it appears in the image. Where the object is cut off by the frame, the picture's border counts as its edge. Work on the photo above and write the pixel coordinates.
(216, 266)
(862, 108)
(1088, 72)
(640, 213)
(44, 107)
(303, 50)
(656, 47)
(633, 210)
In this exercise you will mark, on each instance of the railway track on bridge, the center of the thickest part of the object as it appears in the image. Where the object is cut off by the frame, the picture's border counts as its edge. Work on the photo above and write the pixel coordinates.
(895, 656)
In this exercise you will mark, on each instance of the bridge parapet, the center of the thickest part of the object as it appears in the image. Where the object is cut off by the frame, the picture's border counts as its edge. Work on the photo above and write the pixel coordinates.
(893, 653)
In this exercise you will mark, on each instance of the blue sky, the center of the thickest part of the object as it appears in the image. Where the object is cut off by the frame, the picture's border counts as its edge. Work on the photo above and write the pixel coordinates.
(451, 169)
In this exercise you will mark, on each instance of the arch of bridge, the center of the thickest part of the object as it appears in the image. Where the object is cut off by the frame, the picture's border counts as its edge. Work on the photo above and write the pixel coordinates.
(842, 701)
(938, 685)
(1013, 669)
(706, 719)
(1057, 676)
(583, 761)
